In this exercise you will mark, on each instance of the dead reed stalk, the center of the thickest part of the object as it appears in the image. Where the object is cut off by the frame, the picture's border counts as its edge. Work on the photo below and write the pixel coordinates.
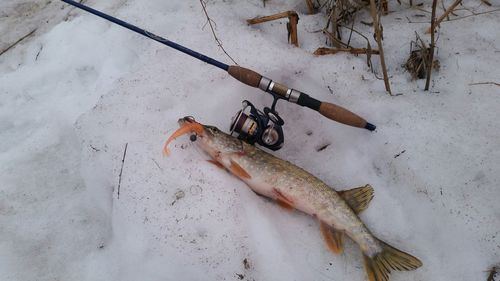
(378, 35)
(293, 19)
(445, 14)
(310, 7)
(431, 55)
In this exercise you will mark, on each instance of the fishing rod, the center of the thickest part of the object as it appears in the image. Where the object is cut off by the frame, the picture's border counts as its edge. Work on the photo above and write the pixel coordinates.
(254, 126)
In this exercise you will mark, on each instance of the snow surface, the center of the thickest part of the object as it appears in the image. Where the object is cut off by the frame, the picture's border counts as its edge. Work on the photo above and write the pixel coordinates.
(79, 89)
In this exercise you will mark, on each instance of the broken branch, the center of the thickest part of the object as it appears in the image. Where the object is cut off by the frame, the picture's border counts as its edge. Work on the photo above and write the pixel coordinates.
(378, 36)
(355, 51)
(444, 15)
(293, 19)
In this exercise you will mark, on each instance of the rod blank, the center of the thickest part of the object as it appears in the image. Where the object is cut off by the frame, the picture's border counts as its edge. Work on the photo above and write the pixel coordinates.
(148, 34)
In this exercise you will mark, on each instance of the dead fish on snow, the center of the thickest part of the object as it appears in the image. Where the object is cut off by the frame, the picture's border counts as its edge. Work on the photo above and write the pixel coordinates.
(294, 188)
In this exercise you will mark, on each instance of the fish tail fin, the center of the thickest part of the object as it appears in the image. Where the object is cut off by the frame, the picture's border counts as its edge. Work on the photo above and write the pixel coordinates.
(379, 266)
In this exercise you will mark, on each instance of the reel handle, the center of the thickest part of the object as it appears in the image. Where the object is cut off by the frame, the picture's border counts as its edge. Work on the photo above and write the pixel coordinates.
(329, 110)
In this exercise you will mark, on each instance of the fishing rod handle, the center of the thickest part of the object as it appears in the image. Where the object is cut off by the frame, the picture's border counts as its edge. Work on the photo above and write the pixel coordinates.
(329, 110)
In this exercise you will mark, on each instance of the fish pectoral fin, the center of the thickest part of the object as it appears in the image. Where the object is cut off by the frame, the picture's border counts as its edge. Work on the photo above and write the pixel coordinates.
(237, 170)
(358, 198)
(380, 265)
(284, 204)
(283, 201)
(216, 163)
(333, 238)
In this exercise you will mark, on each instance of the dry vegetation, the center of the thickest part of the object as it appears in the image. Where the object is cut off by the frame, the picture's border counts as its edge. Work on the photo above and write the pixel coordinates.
(341, 20)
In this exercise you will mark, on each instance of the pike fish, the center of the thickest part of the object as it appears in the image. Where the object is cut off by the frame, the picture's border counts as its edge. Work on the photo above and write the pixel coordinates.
(294, 188)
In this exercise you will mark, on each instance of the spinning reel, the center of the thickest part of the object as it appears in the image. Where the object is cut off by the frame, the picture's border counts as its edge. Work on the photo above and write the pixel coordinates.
(254, 126)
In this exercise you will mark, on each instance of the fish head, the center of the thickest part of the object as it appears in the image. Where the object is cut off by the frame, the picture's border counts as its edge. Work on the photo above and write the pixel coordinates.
(209, 138)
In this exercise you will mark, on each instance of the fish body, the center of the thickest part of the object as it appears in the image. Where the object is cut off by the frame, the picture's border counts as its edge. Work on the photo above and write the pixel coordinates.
(289, 184)
(293, 187)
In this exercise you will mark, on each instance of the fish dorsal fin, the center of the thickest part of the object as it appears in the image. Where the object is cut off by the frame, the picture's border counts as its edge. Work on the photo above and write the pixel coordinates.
(237, 170)
(333, 238)
(358, 198)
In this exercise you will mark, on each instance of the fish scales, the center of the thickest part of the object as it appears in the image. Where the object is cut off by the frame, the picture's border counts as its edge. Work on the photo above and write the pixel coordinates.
(308, 193)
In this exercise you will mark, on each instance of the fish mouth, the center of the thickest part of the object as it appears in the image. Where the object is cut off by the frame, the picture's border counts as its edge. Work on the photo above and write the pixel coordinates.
(186, 120)
(187, 126)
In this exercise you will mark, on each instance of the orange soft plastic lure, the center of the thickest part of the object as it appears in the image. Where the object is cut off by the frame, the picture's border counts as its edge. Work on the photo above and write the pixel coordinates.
(184, 129)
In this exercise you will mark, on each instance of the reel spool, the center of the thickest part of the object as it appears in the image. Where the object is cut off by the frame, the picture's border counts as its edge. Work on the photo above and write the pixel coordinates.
(254, 126)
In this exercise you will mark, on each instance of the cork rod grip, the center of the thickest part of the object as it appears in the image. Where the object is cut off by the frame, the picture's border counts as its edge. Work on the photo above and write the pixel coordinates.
(245, 75)
(342, 115)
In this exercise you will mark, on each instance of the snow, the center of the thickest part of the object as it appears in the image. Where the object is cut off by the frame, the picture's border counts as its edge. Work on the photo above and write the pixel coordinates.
(79, 89)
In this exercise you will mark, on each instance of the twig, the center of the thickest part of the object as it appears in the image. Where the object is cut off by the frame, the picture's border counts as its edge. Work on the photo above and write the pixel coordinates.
(355, 51)
(351, 31)
(310, 6)
(39, 51)
(157, 165)
(423, 10)
(203, 5)
(378, 36)
(475, 14)
(459, 18)
(444, 11)
(368, 47)
(121, 170)
(431, 55)
(335, 40)
(18, 41)
(444, 15)
(485, 83)
(486, 2)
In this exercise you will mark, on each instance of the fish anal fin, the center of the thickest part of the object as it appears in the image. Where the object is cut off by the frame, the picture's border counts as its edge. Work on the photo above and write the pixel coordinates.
(380, 265)
(333, 238)
(358, 198)
(216, 163)
(237, 170)
(283, 201)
